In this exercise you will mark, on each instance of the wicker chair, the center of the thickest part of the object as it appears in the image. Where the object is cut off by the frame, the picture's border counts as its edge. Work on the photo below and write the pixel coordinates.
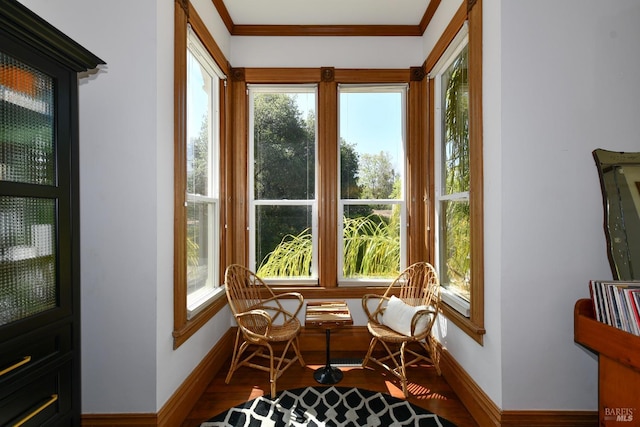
(262, 321)
(403, 321)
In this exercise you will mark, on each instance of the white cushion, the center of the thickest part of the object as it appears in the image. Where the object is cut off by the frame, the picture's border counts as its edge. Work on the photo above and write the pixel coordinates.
(398, 316)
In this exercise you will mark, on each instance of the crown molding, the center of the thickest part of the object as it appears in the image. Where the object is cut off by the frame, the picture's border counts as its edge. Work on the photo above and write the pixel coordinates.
(224, 14)
(428, 15)
(327, 30)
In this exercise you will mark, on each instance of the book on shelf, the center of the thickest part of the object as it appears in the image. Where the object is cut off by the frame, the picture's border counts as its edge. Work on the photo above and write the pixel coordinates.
(617, 303)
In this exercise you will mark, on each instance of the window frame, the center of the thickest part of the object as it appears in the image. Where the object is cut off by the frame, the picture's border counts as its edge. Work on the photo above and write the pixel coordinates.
(327, 79)
(234, 157)
(403, 89)
(199, 299)
(186, 324)
(455, 48)
(253, 202)
(471, 14)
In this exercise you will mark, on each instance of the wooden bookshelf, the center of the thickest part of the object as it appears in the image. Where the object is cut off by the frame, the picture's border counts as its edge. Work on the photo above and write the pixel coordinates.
(618, 366)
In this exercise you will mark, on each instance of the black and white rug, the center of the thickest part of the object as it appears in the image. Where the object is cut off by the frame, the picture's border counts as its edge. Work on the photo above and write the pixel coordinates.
(327, 406)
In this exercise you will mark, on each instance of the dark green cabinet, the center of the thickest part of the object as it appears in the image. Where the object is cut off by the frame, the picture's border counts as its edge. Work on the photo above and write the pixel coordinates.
(39, 220)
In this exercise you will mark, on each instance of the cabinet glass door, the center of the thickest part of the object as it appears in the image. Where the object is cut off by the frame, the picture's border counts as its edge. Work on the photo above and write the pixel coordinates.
(28, 192)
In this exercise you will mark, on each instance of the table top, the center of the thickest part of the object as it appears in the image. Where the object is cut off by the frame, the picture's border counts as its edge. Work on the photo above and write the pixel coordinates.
(327, 314)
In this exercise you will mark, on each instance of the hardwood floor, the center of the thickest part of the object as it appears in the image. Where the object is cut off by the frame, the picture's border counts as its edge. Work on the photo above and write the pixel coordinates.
(427, 389)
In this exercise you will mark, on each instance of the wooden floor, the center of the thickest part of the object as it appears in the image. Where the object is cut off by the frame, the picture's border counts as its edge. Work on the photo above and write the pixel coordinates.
(427, 389)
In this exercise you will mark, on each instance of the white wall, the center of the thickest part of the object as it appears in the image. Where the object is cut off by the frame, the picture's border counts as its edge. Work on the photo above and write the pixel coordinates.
(118, 205)
(569, 85)
(481, 362)
(126, 174)
(557, 84)
(559, 81)
(174, 366)
(338, 52)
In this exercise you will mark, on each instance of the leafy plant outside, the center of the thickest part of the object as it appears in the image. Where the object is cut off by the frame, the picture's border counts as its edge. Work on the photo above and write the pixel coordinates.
(371, 249)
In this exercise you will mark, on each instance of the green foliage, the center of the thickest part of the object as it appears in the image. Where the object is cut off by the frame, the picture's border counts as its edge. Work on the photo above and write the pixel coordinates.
(291, 258)
(372, 249)
(349, 186)
(376, 176)
(284, 148)
(284, 165)
(193, 254)
(457, 126)
(198, 176)
(456, 215)
(197, 183)
(284, 168)
(349, 164)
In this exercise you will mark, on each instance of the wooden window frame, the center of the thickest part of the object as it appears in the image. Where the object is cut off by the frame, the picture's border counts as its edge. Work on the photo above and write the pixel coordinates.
(419, 155)
(327, 79)
(186, 15)
(470, 11)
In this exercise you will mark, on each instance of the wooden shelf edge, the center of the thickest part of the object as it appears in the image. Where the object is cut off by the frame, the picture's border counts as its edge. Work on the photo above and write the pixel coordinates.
(611, 342)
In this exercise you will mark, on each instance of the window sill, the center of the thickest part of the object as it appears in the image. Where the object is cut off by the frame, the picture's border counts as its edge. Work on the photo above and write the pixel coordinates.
(456, 302)
(200, 299)
(318, 292)
(475, 331)
(190, 327)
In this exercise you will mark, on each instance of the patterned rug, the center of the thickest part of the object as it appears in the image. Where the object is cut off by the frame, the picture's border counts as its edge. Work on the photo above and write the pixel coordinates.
(327, 406)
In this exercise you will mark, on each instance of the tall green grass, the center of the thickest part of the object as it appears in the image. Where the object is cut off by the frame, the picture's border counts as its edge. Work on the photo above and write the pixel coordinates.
(371, 249)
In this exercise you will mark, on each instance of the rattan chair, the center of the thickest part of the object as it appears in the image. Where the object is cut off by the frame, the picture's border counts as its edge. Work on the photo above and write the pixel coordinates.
(418, 298)
(262, 322)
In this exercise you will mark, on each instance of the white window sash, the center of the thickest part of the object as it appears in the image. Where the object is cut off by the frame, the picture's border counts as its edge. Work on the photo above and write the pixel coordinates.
(401, 88)
(450, 297)
(198, 299)
(253, 89)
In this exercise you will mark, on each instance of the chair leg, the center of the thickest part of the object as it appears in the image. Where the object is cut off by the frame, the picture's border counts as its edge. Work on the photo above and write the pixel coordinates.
(234, 358)
(372, 344)
(272, 374)
(434, 354)
(296, 348)
(403, 371)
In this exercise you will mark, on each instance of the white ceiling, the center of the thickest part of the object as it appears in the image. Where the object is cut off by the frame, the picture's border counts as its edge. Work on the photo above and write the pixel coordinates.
(326, 12)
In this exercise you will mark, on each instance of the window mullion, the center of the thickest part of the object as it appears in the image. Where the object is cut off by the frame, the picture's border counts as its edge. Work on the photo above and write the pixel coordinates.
(328, 183)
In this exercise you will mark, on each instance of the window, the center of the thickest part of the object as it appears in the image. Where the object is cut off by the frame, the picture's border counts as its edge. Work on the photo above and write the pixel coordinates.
(371, 208)
(453, 246)
(200, 98)
(455, 112)
(202, 175)
(282, 183)
(283, 187)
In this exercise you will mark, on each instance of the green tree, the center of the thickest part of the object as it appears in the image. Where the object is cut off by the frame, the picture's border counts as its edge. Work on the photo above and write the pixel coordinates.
(284, 147)
(349, 165)
(456, 214)
(349, 187)
(198, 172)
(284, 168)
(198, 159)
(376, 176)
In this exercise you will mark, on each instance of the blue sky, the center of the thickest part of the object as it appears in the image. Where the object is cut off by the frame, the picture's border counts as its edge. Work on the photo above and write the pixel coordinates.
(372, 121)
